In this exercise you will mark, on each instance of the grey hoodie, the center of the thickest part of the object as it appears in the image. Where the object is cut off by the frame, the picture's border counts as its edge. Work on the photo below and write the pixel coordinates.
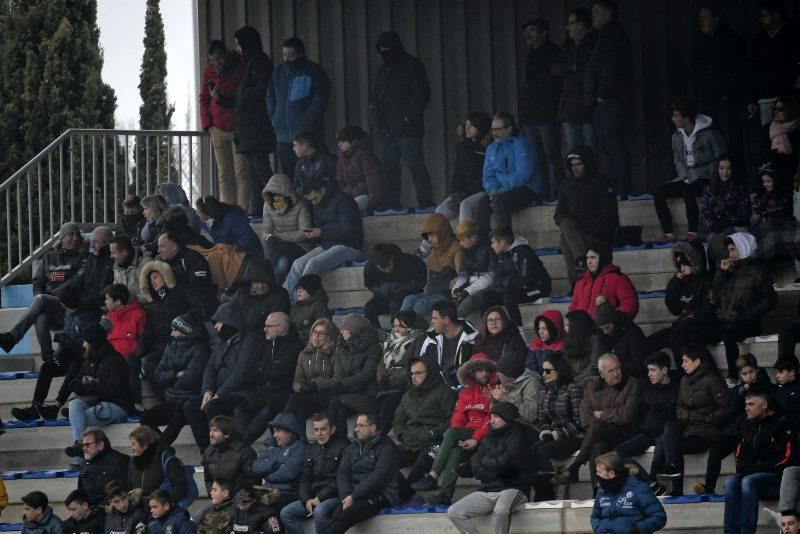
(176, 195)
(695, 154)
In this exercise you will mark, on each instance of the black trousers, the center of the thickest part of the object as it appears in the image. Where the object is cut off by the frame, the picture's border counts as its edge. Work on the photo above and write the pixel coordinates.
(198, 418)
(689, 193)
(599, 439)
(304, 405)
(504, 205)
(788, 338)
(379, 305)
(717, 452)
(544, 453)
(358, 512)
(68, 368)
(168, 413)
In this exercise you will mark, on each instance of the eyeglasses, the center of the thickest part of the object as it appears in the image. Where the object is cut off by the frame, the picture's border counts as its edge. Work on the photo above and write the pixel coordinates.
(547, 371)
(359, 425)
(318, 333)
(494, 320)
(271, 325)
(85, 445)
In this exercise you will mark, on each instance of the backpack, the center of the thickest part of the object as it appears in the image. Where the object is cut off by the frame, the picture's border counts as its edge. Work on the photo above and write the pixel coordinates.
(191, 486)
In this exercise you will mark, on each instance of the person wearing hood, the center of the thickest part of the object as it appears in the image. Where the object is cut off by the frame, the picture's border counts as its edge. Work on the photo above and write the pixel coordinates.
(280, 464)
(84, 518)
(121, 516)
(338, 232)
(132, 219)
(604, 278)
(358, 169)
(398, 99)
(175, 196)
(297, 97)
(624, 502)
(313, 160)
(468, 426)
(175, 220)
(127, 318)
(191, 271)
(474, 276)
(60, 267)
(311, 304)
(391, 275)
(128, 262)
(256, 294)
(38, 515)
(179, 374)
(101, 386)
(152, 465)
(586, 211)
(622, 337)
(313, 384)
(499, 463)
(582, 345)
(228, 224)
(98, 270)
(517, 386)
(518, 275)
(253, 133)
(226, 457)
(498, 335)
(103, 465)
(444, 262)
(449, 341)
(167, 517)
(549, 330)
(286, 215)
(696, 148)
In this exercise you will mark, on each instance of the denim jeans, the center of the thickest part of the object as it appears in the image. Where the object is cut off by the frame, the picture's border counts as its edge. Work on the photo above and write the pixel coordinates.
(317, 261)
(83, 415)
(742, 493)
(421, 303)
(545, 138)
(281, 255)
(292, 514)
(609, 129)
(578, 133)
(390, 151)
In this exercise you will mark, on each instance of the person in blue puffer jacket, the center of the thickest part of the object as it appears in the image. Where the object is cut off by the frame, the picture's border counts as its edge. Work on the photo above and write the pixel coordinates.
(281, 463)
(228, 223)
(624, 502)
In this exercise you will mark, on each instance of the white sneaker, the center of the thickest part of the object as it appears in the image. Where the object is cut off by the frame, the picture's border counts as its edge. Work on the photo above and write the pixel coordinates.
(776, 516)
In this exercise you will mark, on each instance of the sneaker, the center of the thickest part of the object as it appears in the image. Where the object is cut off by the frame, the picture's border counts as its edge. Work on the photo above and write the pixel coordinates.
(658, 489)
(48, 412)
(670, 471)
(668, 238)
(425, 483)
(776, 516)
(731, 383)
(25, 414)
(690, 236)
(138, 407)
(702, 489)
(7, 341)
(75, 450)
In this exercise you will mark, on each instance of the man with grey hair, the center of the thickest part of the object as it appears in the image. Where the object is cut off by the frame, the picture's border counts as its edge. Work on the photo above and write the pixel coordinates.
(608, 414)
(98, 272)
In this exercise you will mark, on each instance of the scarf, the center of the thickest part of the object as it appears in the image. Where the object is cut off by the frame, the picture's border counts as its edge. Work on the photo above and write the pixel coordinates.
(612, 485)
(779, 135)
(359, 341)
(396, 346)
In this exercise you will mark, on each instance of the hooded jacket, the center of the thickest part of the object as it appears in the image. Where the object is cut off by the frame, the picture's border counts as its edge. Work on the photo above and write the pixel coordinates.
(407, 278)
(541, 89)
(59, 266)
(338, 218)
(539, 350)
(444, 260)
(570, 68)
(510, 163)
(305, 312)
(297, 97)
(50, 524)
(702, 402)
(176, 196)
(253, 131)
(619, 403)
(743, 293)
(467, 178)
(314, 366)
(94, 523)
(609, 70)
(689, 297)
(187, 354)
(609, 282)
(229, 460)
(256, 308)
(355, 363)
(500, 460)
(474, 399)
(723, 206)
(217, 377)
(424, 411)
(318, 478)
(633, 506)
(433, 346)
(287, 226)
(695, 154)
(628, 343)
(320, 164)
(219, 113)
(766, 445)
(146, 472)
(368, 469)
(234, 229)
(127, 324)
(177, 521)
(558, 410)
(281, 467)
(105, 466)
(110, 372)
(507, 340)
(162, 307)
(128, 275)
(520, 269)
(359, 172)
(401, 91)
(475, 274)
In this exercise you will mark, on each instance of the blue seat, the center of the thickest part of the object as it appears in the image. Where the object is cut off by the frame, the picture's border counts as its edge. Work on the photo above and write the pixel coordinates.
(358, 263)
(386, 213)
(651, 294)
(658, 246)
(549, 202)
(11, 475)
(133, 419)
(63, 421)
(10, 527)
(18, 296)
(684, 499)
(255, 219)
(33, 423)
(715, 497)
(11, 375)
(71, 473)
(406, 510)
(548, 251)
(630, 247)
(345, 311)
(642, 196)
(564, 298)
(439, 509)
(429, 209)
(31, 374)
(34, 475)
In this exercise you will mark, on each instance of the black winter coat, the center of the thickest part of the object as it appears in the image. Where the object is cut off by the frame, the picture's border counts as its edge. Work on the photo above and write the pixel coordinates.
(737, 396)
(407, 278)
(117, 523)
(304, 313)
(500, 461)
(520, 269)
(256, 308)
(424, 411)
(96, 275)
(766, 445)
(106, 466)
(369, 469)
(188, 355)
(610, 68)
(467, 176)
(93, 524)
(719, 67)
(320, 467)
(219, 372)
(629, 344)
(259, 519)
(702, 403)
(337, 216)
(570, 67)
(321, 164)
(658, 407)
(744, 293)
(267, 366)
(253, 131)
(355, 369)
(110, 373)
(59, 267)
(229, 461)
(541, 89)
(192, 272)
(160, 313)
(494, 346)
(690, 296)
(145, 472)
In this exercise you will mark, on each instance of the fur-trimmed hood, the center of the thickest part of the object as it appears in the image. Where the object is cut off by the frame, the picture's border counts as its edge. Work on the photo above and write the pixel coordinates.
(144, 277)
(476, 361)
(694, 252)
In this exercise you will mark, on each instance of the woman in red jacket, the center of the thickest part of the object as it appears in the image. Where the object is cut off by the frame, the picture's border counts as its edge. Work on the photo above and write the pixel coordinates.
(358, 169)
(604, 278)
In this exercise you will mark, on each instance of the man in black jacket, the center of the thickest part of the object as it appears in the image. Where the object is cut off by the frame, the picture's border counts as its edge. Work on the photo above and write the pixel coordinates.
(98, 270)
(313, 161)
(103, 465)
(256, 294)
(226, 457)
(191, 271)
(391, 275)
(60, 267)
(317, 489)
(83, 517)
(499, 463)
(397, 104)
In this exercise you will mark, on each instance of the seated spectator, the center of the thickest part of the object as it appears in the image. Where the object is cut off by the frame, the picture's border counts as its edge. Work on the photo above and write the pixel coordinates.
(281, 463)
(608, 411)
(696, 146)
(286, 215)
(355, 365)
(498, 335)
(657, 409)
(549, 329)
(127, 318)
(176, 196)
(103, 466)
(152, 464)
(311, 303)
(338, 232)
(121, 517)
(84, 518)
(725, 199)
(101, 386)
(367, 476)
(602, 277)
(701, 409)
(256, 294)
(773, 200)
(215, 519)
(558, 419)
(228, 224)
(787, 396)
(789, 521)
(422, 417)
(499, 465)
(624, 502)
(174, 220)
(443, 263)
(784, 137)
(358, 169)
(391, 275)
(450, 341)
(688, 297)
(763, 453)
(474, 274)
(153, 207)
(517, 386)
(65, 361)
(313, 383)
(586, 211)
(60, 267)
(127, 264)
(167, 517)
(132, 219)
(582, 345)
(180, 375)
(317, 487)
(622, 337)
(226, 457)
(314, 160)
(38, 516)
(191, 271)
(468, 426)
(97, 272)
(252, 512)
(518, 275)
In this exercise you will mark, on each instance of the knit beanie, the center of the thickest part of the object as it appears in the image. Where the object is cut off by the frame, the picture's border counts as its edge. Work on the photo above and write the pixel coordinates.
(354, 322)
(604, 314)
(507, 411)
(467, 228)
(68, 228)
(310, 282)
(94, 334)
(186, 324)
(511, 364)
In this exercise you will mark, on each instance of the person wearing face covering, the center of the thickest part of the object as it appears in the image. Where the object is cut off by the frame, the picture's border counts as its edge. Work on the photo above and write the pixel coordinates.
(602, 277)
(256, 294)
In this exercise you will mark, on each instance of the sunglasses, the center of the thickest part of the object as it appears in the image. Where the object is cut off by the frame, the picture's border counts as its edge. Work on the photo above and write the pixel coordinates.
(547, 371)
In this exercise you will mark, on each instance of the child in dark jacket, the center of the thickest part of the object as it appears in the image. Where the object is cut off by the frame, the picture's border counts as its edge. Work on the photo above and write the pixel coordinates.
(475, 275)
(121, 517)
(168, 518)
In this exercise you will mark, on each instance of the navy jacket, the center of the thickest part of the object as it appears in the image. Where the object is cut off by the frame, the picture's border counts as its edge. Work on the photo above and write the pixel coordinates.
(176, 522)
(187, 354)
(634, 505)
(369, 469)
(235, 229)
(338, 217)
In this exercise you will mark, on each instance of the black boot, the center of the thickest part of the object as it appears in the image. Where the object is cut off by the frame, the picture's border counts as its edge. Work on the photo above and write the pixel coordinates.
(25, 414)
(7, 341)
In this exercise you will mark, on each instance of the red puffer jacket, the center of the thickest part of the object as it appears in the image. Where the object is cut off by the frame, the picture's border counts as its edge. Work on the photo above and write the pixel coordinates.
(220, 113)
(474, 401)
(127, 324)
(612, 284)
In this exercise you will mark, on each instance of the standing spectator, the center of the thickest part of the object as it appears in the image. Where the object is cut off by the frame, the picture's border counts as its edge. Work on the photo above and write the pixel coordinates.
(549, 331)
(313, 383)
(517, 386)
(127, 264)
(602, 277)
(313, 160)
(539, 105)
(474, 275)
(228, 224)
(280, 464)
(450, 341)
(103, 466)
(256, 294)
(696, 148)
(606, 90)
(253, 135)
(784, 138)
(391, 275)
(132, 219)
(582, 345)
(191, 271)
(498, 335)
(127, 319)
(38, 516)
(84, 517)
(310, 305)
(397, 103)
(153, 464)
(586, 211)
(570, 66)
(725, 204)
(121, 517)
(358, 169)
(218, 86)
(622, 338)
(167, 516)
(286, 215)
(499, 465)
(338, 231)
(226, 457)
(296, 99)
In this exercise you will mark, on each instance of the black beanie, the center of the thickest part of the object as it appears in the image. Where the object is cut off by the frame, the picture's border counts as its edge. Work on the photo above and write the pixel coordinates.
(310, 282)
(507, 411)
(94, 334)
(511, 364)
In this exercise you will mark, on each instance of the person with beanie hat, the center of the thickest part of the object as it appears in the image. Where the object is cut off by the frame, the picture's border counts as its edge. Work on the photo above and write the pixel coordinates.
(602, 277)
(475, 274)
(252, 511)
(501, 466)
(622, 337)
(311, 304)
(517, 386)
